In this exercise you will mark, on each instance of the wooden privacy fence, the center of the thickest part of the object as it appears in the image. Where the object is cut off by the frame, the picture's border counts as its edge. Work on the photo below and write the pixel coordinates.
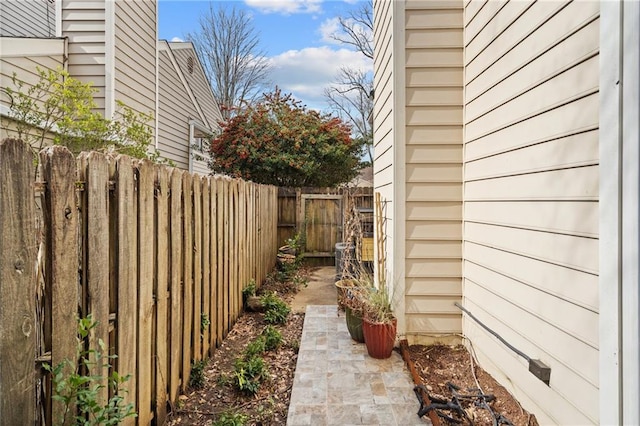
(152, 253)
(319, 213)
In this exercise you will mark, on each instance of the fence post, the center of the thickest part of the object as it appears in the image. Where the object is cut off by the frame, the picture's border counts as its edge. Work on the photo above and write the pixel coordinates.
(17, 284)
(59, 172)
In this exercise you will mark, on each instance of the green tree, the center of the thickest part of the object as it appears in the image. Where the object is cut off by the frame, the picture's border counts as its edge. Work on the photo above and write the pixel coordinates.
(63, 106)
(280, 142)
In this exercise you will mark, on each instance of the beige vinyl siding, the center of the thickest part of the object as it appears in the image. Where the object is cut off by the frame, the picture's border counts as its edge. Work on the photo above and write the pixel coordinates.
(174, 113)
(531, 199)
(197, 82)
(83, 22)
(385, 133)
(27, 18)
(135, 55)
(24, 57)
(433, 161)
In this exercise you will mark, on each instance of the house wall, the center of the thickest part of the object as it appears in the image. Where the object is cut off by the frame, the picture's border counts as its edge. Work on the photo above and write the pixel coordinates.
(174, 112)
(433, 169)
(24, 57)
(531, 199)
(388, 106)
(187, 60)
(83, 22)
(135, 36)
(27, 18)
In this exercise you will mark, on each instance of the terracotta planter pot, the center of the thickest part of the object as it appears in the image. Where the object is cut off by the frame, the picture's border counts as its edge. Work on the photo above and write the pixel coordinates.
(354, 325)
(379, 338)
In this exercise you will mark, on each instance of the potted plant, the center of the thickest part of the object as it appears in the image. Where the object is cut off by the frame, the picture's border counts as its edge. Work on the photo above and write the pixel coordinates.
(351, 297)
(379, 324)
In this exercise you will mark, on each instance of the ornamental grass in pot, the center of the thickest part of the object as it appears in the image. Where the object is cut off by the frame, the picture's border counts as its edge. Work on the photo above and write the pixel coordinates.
(379, 324)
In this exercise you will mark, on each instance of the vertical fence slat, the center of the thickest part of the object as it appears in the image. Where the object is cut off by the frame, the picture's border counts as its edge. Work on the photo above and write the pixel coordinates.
(243, 240)
(213, 261)
(162, 295)
(233, 247)
(60, 215)
(220, 259)
(225, 257)
(97, 263)
(187, 278)
(145, 288)
(206, 289)
(175, 322)
(126, 277)
(17, 285)
(196, 341)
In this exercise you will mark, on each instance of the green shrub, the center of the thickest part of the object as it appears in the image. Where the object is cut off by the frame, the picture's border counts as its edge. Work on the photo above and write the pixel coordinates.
(249, 374)
(72, 387)
(276, 310)
(272, 338)
(249, 290)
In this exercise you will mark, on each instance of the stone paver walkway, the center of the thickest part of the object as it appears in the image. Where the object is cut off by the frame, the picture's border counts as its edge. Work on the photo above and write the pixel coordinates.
(338, 383)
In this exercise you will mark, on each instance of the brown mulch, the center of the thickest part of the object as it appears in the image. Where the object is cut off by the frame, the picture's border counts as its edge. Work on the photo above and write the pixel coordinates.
(437, 365)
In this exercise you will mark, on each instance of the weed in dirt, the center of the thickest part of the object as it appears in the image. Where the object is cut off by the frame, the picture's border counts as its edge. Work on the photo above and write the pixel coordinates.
(196, 378)
(272, 338)
(231, 418)
(249, 373)
(256, 347)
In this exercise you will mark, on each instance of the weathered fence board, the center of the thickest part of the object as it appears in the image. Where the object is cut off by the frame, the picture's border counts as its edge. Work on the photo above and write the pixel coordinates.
(126, 278)
(206, 270)
(148, 251)
(187, 278)
(161, 295)
(197, 269)
(61, 213)
(145, 289)
(17, 285)
(176, 311)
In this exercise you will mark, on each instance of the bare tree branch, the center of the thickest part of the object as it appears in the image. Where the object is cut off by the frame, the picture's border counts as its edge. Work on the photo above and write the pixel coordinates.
(356, 29)
(229, 48)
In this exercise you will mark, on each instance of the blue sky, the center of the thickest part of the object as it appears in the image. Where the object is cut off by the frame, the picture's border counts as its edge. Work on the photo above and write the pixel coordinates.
(293, 33)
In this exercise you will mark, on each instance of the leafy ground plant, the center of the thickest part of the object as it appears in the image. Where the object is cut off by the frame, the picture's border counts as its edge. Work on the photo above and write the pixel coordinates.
(78, 390)
(276, 309)
(196, 378)
(231, 418)
(250, 373)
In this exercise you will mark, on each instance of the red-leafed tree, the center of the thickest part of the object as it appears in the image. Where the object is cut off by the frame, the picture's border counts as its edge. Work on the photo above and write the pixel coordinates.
(278, 141)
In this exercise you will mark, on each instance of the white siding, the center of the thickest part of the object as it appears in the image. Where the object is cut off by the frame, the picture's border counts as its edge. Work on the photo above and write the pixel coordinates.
(27, 18)
(174, 113)
(387, 34)
(24, 57)
(135, 37)
(531, 199)
(197, 81)
(83, 22)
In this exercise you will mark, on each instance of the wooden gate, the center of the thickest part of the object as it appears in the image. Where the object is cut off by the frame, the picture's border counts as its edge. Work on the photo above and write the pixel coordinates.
(322, 222)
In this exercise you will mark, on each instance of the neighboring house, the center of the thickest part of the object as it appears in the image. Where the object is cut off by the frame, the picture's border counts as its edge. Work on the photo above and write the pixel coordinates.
(187, 109)
(113, 45)
(507, 156)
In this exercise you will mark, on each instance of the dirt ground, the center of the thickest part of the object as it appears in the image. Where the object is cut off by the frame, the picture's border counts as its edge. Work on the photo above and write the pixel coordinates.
(437, 366)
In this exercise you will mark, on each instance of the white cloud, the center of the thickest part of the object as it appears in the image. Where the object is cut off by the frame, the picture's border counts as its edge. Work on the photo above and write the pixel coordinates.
(177, 39)
(306, 73)
(286, 7)
(328, 28)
